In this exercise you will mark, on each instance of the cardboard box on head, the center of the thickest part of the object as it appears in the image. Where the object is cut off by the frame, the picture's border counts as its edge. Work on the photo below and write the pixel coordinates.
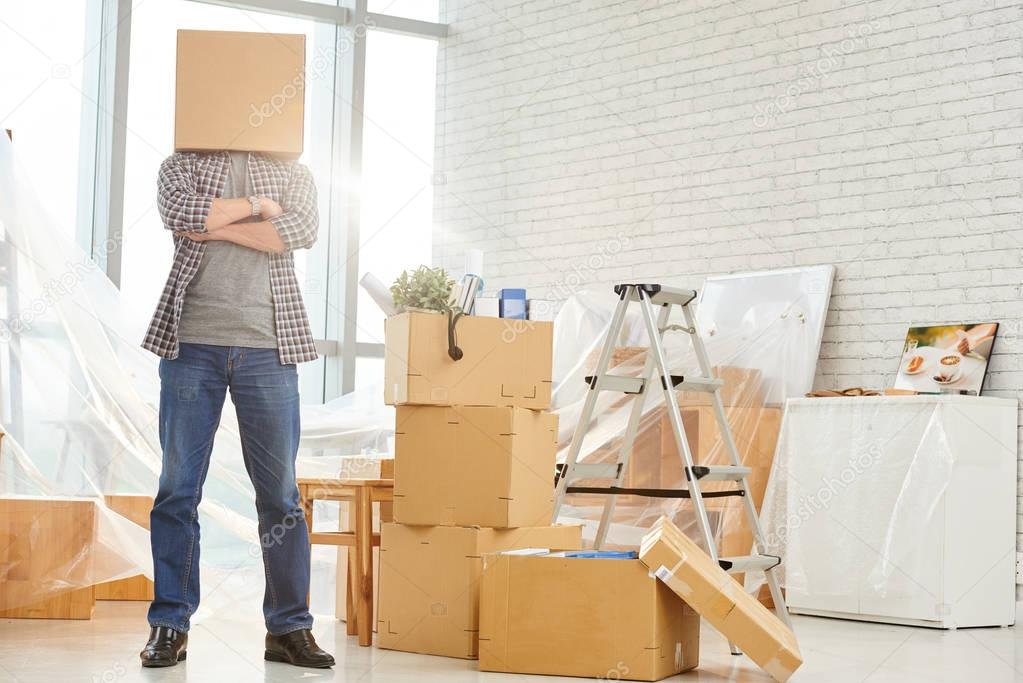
(240, 91)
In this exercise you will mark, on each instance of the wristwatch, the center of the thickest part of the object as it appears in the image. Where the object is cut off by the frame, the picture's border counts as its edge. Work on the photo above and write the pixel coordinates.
(256, 209)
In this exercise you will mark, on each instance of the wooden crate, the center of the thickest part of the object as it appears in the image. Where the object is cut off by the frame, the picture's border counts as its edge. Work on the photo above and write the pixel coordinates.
(136, 509)
(45, 552)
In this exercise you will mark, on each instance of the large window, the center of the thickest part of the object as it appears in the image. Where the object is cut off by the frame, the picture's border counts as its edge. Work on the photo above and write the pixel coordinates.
(425, 10)
(397, 167)
(44, 77)
(369, 139)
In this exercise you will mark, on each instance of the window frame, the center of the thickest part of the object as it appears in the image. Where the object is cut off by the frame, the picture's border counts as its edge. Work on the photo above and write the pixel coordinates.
(102, 163)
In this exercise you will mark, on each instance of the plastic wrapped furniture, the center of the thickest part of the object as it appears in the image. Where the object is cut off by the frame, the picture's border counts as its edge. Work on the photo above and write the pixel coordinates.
(897, 509)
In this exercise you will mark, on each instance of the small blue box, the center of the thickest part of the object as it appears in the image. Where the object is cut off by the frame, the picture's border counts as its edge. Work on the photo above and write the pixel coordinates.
(512, 304)
(604, 554)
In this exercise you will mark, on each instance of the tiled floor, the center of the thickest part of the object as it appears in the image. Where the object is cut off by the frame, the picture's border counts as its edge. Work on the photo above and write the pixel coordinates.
(220, 650)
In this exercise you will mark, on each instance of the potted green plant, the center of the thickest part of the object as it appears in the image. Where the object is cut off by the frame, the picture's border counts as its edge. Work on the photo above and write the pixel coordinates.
(424, 289)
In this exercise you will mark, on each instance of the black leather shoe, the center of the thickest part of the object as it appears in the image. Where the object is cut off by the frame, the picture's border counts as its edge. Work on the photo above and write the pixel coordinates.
(298, 648)
(166, 647)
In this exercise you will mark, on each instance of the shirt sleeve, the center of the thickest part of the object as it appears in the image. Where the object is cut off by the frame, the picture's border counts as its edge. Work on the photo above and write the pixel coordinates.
(299, 224)
(181, 207)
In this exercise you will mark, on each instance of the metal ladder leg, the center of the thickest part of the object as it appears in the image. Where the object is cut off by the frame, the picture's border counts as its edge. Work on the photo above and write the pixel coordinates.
(614, 329)
(629, 438)
(726, 432)
(675, 418)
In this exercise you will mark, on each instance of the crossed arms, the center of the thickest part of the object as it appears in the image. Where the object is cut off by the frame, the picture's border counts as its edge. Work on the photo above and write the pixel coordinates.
(286, 226)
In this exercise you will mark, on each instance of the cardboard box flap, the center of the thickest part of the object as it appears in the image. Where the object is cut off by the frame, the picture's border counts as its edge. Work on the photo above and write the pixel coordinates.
(688, 571)
(558, 537)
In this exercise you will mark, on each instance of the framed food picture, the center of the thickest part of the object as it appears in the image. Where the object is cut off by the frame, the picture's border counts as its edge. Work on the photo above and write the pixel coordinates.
(946, 358)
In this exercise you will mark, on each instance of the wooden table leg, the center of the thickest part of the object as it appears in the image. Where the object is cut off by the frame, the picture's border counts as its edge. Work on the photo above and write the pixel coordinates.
(351, 617)
(364, 565)
(307, 511)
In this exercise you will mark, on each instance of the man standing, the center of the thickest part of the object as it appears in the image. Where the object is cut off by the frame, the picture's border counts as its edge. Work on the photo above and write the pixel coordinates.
(231, 318)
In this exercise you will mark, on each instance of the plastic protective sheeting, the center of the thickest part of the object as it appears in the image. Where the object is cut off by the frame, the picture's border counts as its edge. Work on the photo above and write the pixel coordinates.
(745, 305)
(762, 334)
(862, 479)
(78, 403)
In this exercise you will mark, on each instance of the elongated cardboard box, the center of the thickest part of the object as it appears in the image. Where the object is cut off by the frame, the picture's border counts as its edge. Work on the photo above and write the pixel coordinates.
(504, 362)
(240, 91)
(686, 569)
(474, 466)
(429, 582)
(595, 618)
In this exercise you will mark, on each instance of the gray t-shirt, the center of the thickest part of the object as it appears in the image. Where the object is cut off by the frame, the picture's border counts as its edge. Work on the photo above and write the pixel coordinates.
(228, 302)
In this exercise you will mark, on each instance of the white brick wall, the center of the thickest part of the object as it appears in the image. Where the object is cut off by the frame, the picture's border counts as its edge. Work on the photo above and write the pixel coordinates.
(884, 137)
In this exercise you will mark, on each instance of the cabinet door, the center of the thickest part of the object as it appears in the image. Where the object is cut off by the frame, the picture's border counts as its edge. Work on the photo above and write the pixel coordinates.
(824, 560)
(905, 579)
(862, 544)
(980, 542)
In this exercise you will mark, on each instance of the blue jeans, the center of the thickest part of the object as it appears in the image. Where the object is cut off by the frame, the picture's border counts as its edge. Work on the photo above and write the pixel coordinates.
(265, 394)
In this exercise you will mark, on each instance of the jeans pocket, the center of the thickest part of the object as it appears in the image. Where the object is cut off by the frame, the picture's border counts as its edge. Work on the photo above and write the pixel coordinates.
(188, 393)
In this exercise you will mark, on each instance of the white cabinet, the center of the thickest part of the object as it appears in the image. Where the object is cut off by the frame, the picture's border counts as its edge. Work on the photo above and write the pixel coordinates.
(897, 509)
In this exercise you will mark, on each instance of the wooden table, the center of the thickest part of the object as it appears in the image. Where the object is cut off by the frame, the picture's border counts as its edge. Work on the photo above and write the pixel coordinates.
(361, 494)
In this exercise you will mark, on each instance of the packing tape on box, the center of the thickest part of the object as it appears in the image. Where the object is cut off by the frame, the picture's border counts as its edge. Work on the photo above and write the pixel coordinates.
(776, 669)
(678, 655)
(728, 587)
(725, 600)
(665, 575)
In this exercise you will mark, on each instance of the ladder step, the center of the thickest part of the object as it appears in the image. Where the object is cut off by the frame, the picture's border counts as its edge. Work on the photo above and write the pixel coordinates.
(597, 470)
(626, 385)
(746, 563)
(719, 472)
(704, 384)
(658, 294)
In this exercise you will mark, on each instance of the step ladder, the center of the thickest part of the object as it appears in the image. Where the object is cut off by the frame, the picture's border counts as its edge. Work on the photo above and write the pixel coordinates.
(656, 303)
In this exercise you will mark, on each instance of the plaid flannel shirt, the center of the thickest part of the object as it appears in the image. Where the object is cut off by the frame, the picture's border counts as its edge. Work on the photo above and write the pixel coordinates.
(187, 185)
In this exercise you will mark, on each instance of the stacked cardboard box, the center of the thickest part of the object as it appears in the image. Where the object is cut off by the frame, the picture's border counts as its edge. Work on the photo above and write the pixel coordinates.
(474, 465)
(584, 616)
